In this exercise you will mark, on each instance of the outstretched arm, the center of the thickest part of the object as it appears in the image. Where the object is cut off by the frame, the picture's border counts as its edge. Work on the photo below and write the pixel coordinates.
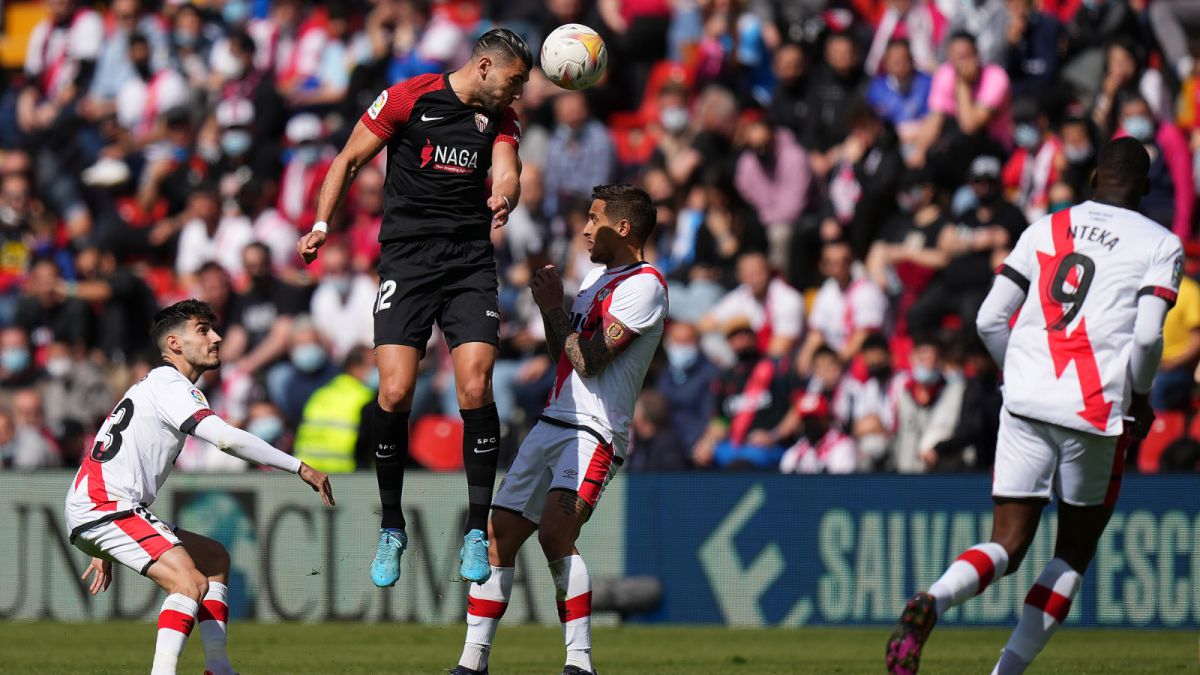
(362, 146)
(247, 446)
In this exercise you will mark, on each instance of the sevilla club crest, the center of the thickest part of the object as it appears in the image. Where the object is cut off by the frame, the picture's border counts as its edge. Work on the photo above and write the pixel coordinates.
(481, 122)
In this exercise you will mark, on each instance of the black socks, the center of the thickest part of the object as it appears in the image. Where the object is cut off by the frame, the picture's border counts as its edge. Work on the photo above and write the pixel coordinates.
(481, 453)
(389, 438)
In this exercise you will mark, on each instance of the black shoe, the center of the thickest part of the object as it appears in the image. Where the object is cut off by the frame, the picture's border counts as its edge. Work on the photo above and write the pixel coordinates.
(463, 670)
(576, 670)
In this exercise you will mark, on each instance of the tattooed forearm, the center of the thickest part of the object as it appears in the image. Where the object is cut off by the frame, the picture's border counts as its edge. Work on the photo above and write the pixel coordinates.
(558, 327)
(589, 357)
(571, 504)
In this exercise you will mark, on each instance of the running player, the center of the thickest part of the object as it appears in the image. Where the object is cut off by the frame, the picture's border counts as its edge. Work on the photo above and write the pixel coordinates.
(442, 132)
(1090, 287)
(107, 507)
(603, 349)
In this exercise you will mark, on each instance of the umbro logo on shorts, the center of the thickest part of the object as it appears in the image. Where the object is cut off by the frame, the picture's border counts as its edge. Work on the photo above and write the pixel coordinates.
(569, 473)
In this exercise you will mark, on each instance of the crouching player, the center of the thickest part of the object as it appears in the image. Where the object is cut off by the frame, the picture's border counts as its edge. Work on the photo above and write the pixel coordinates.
(107, 508)
(603, 348)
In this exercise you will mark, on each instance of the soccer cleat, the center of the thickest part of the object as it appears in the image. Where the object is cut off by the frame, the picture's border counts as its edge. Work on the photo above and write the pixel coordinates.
(474, 556)
(576, 670)
(904, 647)
(463, 670)
(385, 568)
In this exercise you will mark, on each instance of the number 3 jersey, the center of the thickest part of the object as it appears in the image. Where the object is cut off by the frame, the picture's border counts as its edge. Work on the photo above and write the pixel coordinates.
(136, 447)
(636, 296)
(1083, 270)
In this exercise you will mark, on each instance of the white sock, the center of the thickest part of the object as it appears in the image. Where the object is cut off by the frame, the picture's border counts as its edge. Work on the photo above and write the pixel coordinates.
(486, 603)
(969, 575)
(175, 621)
(1046, 607)
(574, 593)
(213, 621)
(1009, 664)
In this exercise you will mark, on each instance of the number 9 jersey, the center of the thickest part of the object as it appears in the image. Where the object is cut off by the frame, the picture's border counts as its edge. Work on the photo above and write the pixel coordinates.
(135, 449)
(1083, 270)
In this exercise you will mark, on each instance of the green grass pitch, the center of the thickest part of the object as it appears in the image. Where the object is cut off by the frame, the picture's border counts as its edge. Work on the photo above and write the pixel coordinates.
(296, 649)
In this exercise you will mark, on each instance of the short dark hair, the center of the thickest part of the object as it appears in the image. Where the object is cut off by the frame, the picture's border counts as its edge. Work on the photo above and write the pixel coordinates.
(963, 35)
(826, 350)
(171, 318)
(1123, 161)
(355, 357)
(900, 42)
(504, 42)
(875, 340)
(628, 202)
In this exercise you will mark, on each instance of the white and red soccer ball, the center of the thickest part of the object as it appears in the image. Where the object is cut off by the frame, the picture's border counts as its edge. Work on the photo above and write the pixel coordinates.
(574, 56)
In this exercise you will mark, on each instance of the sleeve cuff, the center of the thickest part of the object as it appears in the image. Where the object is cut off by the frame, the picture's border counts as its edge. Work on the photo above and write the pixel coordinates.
(1168, 295)
(1014, 276)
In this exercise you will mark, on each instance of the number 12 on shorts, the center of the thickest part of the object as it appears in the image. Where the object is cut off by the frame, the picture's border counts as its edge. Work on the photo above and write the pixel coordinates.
(383, 298)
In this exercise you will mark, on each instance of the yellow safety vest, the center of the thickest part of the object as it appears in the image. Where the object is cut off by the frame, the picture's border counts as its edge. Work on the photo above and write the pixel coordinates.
(329, 428)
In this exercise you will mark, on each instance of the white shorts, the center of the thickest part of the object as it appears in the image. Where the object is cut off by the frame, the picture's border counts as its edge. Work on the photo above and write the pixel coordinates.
(555, 458)
(1039, 459)
(135, 539)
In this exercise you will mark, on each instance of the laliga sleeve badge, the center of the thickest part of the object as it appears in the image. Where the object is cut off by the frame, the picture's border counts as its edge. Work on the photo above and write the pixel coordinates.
(377, 106)
(198, 396)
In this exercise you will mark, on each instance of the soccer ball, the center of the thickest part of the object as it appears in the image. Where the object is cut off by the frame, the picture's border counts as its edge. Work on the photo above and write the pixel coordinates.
(574, 56)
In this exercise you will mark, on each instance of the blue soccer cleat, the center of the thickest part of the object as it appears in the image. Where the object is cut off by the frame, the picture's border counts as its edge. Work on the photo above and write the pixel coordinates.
(474, 556)
(463, 670)
(385, 568)
(576, 670)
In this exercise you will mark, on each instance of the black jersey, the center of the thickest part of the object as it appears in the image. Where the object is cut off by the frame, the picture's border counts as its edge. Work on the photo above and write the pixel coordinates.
(439, 154)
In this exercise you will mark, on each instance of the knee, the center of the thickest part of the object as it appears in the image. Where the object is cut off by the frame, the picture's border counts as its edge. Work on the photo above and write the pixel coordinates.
(555, 544)
(1016, 548)
(474, 390)
(395, 394)
(193, 584)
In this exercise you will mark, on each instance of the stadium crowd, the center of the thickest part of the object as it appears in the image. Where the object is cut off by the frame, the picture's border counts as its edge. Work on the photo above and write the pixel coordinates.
(835, 180)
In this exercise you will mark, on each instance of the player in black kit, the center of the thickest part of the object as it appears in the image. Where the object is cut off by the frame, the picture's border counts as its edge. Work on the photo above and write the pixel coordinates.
(443, 132)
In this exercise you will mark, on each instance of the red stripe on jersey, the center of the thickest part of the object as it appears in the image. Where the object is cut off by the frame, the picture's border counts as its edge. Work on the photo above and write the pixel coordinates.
(758, 383)
(97, 491)
(578, 607)
(984, 567)
(1070, 347)
(596, 475)
(397, 107)
(176, 621)
(153, 543)
(488, 609)
(1045, 599)
(214, 610)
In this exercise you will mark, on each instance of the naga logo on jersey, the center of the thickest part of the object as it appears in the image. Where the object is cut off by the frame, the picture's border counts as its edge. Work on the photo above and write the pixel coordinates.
(481, 122)
(450, 160)
(198, 396)
(377, 106)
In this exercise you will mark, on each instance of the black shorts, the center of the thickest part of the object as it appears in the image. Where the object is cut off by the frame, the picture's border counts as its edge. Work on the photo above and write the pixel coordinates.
(437, 279)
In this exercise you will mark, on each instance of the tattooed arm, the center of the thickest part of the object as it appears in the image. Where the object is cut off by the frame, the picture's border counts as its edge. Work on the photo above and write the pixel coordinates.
(588, 356)
(558, 327)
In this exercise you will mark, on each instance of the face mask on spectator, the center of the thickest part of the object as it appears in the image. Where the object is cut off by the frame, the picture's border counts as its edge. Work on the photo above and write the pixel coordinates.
(674, 119)
(143, 69)
(880, 372)
(309, 357)
(14, 359)
(236, 142)
(1077, 154)
(910, 200)
(9, 216)
(267, 428)
(681, 357)
(925, 375)
(227, 65)
(235, 11)
(1027, 136)
(372, 380)
(1140, 127)
(185, 39)
(749, 354)
(58, 366)
(1055, 207)
(340, 283)
(306, 154)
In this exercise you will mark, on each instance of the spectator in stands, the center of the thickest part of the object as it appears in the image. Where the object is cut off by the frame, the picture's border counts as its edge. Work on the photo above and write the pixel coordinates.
(676, 125)
(17, 366)
(238, 153)
(265, 421)
(824, 383)
(1125, 73)
(424, 41)
(260, 321)
(238, 76)
(774, 178)
(969, 111)
(789, 104)
(46, 315)
(143, 98)
(1172, 197)
(847, 309)
(364, 218)
(60, 61)
(290, 383)
(1033, 46)
(323, 79)
(120, 302)
(1036, 163)
(709, 151)
(972, 446)
(729, 229)
(8, 435)
(306, 168)
(114, 64)
(773, 309)
(906, 257)
(927, 410)
(835, 87)
(76, 391)
(17, 239)
(686, 382)
(190, 45)
(984, 21)
(866, 400)
(580, 154)
(655, 444)
(1079, 154)
(923, 27)
(172, 172)
(211, 236)
(214, 287)
(974, 248)
(751, 395)
(862, 182)
(823, 447)
(327, 437)
(342, 303)
(1173, 386)
(900, 94)
(1095, 25)
(35, 447)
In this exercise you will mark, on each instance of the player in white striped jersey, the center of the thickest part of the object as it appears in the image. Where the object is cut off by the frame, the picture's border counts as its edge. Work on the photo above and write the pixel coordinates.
(1075, 319)
(107, 506)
